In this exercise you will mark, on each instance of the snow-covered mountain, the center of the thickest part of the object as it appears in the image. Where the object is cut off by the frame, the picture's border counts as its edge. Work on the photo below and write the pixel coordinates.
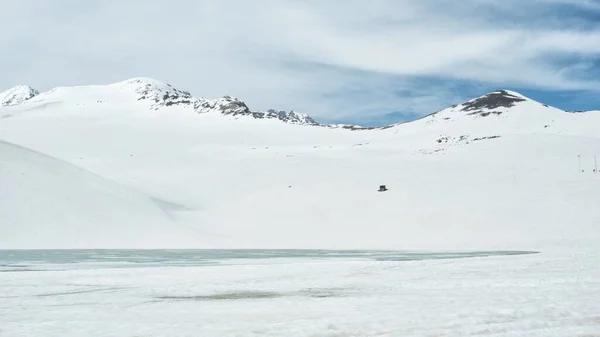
(488, 117)
(17, 95)
(496, 104)
(147, 93)
(500, 171)
(502, 104)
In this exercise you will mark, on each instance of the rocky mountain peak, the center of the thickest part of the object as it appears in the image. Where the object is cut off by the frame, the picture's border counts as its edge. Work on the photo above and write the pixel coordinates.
(17, 95)
(293, 117)
(492, 102)
(158, 93)
(226, 105)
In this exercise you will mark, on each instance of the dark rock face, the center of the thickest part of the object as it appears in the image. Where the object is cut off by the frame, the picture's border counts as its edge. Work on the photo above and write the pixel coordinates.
(360, 128)
(483, 138)
(166, 96)
(17, 95)
(286, 116)
(486, 105)
(226, 105)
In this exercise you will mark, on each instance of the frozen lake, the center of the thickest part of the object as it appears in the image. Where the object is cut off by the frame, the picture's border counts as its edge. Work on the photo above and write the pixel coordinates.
(31, 260)
(297, 293)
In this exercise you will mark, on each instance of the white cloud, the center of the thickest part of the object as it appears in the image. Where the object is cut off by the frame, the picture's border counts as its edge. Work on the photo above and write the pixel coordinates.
(324, 58)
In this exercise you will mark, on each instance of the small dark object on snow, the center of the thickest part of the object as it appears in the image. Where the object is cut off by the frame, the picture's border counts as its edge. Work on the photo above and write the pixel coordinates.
(382, 188)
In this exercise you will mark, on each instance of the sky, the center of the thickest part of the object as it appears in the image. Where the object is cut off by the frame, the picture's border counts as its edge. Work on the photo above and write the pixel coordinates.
(365, 62)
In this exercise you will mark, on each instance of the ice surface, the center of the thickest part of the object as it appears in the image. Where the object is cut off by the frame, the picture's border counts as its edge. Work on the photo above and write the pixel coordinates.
(544, 294)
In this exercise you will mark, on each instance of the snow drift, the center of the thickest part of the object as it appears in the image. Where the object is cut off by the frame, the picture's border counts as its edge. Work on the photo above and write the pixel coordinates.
(47, 203)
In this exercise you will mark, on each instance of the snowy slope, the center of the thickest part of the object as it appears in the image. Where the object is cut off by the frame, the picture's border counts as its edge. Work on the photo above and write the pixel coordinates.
(17, 95)
(497, 172)
(47, 203)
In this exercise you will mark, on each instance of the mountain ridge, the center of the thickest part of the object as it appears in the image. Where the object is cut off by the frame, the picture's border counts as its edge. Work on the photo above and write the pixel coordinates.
(156, 94)
(160, 95)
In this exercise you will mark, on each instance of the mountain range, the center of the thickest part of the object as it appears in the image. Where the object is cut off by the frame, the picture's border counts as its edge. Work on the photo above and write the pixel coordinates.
(157, 94)
(140, 164)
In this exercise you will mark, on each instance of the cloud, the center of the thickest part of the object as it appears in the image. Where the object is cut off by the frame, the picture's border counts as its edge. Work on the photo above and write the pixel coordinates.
(357, 61)
(584, 4)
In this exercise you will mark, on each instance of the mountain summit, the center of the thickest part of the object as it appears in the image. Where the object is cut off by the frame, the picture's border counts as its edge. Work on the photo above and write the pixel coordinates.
(492, 103)
(500, 103)
(17, 95)
(495, 103)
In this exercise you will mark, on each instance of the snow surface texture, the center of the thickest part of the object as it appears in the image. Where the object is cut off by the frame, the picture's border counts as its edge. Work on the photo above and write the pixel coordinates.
(542, 294)
(498, 172)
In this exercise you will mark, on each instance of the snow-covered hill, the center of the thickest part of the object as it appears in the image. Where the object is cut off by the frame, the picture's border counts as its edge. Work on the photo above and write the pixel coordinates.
(17, 95)
(47, 203)
(490, 117)
(500, 171)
